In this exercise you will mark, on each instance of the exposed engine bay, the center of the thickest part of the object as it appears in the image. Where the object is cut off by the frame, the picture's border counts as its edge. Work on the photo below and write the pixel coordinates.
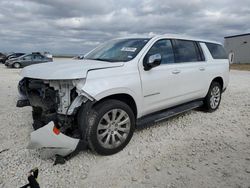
(54, 101)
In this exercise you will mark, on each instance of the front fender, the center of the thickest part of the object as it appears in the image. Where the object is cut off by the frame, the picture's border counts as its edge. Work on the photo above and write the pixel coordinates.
(119, 90)
(98, 85)
(113, 91)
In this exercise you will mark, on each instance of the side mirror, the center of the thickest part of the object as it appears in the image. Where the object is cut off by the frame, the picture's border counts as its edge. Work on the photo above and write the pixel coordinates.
(152, 61)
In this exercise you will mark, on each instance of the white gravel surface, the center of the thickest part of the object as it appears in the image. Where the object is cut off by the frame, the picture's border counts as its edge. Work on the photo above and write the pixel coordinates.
(195, 149)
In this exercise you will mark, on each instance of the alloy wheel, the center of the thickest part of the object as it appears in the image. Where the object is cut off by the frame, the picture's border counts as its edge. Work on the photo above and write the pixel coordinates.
(215, 97)
(113, 128)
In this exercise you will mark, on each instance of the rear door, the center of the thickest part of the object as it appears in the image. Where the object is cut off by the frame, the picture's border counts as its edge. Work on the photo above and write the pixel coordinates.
(192, 67)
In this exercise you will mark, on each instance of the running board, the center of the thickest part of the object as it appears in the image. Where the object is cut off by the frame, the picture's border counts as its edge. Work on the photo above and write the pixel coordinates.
(164, 114)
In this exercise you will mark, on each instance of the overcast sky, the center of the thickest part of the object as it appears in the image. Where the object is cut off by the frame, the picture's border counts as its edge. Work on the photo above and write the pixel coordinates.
(76, 26)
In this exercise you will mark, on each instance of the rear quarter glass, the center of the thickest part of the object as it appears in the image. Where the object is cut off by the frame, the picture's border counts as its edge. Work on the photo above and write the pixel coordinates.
(217, 51)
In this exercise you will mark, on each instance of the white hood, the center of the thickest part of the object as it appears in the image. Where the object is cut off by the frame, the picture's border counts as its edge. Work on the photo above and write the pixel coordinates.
(65, 70)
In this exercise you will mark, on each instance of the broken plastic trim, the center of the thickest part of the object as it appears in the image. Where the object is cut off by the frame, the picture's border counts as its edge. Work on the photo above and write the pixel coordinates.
(76, 103)
(52, 143)
(22, 100)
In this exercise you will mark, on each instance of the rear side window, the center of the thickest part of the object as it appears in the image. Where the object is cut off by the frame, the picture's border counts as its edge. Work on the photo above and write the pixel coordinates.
(217, 51)
(187, 51)
(38, 57)
(28, 57)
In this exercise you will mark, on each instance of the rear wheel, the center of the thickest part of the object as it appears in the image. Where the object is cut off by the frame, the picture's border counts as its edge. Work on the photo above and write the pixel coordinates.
(213, 98)
(110, 127)
(17, 65)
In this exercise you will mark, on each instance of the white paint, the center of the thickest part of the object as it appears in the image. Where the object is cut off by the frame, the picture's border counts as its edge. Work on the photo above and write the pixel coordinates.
(64, 70)
(152, 90)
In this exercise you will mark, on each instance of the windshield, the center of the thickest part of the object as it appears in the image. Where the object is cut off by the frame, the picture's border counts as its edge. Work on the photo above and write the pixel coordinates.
(118, 50)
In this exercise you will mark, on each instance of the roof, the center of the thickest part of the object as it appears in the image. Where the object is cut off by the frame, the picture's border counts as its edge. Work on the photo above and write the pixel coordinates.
(171, 36)
(186, 37)
(237, 35)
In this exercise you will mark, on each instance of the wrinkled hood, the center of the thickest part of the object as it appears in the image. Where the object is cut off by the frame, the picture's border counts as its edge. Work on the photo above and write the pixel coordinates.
(65, 70)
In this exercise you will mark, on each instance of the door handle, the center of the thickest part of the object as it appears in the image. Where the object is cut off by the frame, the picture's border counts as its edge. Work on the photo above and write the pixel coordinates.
(201, 68)
(176, 71)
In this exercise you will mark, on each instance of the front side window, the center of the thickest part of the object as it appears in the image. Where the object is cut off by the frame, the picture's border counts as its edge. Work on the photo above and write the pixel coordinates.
(186, 51)
(163, 47)
(119, 50)
(217, 51)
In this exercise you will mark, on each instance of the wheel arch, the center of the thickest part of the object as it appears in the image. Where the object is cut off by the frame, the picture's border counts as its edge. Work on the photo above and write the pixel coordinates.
(218, 79)
(124, 97)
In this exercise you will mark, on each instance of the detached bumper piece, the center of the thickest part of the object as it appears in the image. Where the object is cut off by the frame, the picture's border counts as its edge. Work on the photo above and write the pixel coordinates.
(52, 141)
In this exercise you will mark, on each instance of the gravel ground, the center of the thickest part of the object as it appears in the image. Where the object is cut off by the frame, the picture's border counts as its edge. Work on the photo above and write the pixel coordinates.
(195, 149)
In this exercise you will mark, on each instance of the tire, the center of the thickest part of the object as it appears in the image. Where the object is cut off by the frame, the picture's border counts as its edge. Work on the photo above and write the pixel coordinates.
(17, 65)
(110, 126)
(213, 98)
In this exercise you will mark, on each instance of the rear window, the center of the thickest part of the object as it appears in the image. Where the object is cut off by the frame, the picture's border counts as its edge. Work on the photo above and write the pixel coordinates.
(217, 51)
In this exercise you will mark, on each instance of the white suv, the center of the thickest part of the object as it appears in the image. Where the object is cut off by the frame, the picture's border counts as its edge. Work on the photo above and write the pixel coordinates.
(119, 85)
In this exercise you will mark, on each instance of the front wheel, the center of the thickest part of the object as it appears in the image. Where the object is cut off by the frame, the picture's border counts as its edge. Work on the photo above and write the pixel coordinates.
(213, 98)
(110, 127)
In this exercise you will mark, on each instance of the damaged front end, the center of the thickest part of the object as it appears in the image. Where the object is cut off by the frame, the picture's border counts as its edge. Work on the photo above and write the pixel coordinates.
(55, 105)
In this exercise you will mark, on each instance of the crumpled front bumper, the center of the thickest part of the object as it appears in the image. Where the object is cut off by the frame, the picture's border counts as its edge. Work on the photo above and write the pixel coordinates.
(51, 141)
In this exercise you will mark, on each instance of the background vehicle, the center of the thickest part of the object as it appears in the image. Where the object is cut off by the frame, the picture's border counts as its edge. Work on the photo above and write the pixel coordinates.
(122, 84)
(79, 57)
(2, 57)
(11, 56)
(26, 60)
(46, 54)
